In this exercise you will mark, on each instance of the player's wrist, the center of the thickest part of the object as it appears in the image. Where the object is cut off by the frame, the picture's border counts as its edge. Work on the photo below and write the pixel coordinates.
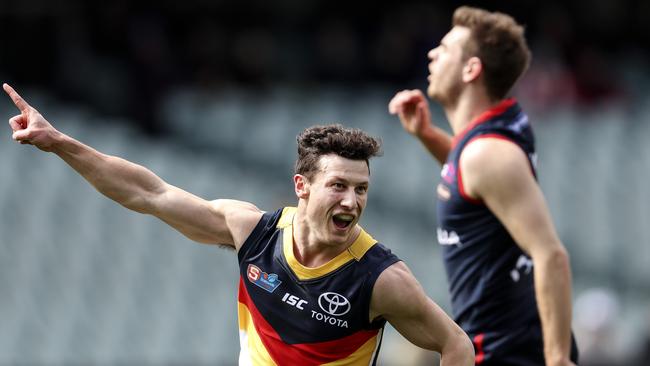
(58, 141)
(426, 131)
(557, 359)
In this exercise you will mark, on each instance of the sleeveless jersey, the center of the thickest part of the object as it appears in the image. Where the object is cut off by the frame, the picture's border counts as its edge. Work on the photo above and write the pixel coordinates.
(294, 315)
(490, 277)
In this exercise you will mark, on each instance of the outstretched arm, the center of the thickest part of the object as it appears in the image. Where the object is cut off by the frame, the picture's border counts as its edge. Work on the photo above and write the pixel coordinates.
(498, 172)
(412, 108)
(225, 222)
(399, 298)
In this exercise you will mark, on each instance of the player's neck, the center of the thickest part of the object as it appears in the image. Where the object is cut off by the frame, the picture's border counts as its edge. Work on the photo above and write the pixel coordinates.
(467, 108)
(312, 252)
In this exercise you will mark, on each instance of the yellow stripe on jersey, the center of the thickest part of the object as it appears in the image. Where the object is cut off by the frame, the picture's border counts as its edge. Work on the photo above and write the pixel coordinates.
(356, 251)
(286, 218)
(363, 356)
(252, 351)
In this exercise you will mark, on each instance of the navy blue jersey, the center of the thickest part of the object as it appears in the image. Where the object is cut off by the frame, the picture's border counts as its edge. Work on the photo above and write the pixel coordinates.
(490, 277)
(294, 315)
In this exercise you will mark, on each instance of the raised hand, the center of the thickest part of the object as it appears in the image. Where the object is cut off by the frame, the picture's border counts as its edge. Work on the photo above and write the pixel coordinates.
(29, 127)
(412, 108)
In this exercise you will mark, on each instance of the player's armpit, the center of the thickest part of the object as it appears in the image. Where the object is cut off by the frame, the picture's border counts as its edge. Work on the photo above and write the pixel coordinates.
(240, 217)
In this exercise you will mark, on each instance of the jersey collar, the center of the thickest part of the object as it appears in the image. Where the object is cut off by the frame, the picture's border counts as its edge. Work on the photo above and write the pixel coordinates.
(354, 252)
(498, 109)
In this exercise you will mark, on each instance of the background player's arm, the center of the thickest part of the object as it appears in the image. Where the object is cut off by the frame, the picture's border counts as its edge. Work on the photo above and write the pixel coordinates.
(225, 222)
(412, 108)
(399, 298)
(498, 172)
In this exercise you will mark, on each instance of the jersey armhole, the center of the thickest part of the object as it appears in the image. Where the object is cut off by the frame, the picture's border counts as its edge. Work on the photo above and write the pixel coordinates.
(267, 220)
(388, 260)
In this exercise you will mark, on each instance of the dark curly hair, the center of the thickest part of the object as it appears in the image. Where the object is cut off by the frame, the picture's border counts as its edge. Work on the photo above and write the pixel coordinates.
(498, 40)
(349, 143)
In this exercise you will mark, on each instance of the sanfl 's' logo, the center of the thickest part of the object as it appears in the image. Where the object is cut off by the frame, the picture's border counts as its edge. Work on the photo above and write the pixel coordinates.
(267, 281)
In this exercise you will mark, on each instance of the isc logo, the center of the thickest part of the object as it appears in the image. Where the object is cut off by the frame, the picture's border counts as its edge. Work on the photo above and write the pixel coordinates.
(294, 300)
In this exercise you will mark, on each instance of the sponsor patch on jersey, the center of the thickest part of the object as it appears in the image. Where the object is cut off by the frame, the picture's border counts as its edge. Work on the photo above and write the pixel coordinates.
(267, 281)
(334, 304)
(448, 237)
(448, 172)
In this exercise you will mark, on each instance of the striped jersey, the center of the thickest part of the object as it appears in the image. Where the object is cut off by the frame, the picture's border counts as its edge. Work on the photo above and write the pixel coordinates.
(290, 314)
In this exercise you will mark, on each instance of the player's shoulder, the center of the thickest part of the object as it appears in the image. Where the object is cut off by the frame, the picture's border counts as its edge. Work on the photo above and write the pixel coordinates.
(493, 167)
(396, 291)
(493, 154)
(396, 278)
(241, 218)
(237, 210)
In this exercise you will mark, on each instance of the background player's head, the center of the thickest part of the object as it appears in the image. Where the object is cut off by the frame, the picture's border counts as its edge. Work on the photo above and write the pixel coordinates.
(493, 50)
(331, 179)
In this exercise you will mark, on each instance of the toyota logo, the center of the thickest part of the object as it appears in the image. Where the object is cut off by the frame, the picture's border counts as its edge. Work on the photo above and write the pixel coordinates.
(333, 303)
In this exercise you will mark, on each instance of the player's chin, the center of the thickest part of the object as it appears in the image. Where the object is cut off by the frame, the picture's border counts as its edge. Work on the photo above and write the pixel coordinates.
(431, 91)
(340, 235)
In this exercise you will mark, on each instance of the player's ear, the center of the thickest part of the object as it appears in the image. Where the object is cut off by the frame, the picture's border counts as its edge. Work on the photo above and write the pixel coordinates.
(301, 186)
(472, 69)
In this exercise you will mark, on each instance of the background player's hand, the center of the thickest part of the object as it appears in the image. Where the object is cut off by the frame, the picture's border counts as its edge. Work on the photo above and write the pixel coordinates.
(29, 127)
(412, 108)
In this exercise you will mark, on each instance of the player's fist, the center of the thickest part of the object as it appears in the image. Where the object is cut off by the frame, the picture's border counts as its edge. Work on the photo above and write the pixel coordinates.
(412, 108)
(29, 127)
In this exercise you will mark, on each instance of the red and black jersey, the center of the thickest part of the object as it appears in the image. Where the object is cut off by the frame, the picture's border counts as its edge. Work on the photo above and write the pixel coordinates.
(490, 277)
(290, 314)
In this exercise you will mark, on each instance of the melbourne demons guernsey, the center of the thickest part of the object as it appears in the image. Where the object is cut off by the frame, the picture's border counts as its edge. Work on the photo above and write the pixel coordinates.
(490, 277)
(294, 315)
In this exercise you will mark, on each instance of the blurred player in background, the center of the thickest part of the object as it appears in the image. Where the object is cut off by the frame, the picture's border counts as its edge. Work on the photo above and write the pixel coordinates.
(509, 273)
(314, 288)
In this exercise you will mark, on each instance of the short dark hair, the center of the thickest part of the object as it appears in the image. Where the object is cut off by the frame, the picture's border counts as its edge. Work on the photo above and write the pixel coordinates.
(498, 40)
(349, 143)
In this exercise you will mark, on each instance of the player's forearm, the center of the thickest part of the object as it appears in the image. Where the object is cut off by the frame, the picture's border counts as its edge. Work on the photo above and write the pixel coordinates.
(553, 289)
(437, 142)
(129, 184)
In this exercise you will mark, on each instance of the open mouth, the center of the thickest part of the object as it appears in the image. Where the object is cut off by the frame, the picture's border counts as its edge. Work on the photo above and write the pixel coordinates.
(342, 221)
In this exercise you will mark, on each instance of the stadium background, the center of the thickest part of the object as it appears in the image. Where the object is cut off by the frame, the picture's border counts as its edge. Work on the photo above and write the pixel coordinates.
(210, 95)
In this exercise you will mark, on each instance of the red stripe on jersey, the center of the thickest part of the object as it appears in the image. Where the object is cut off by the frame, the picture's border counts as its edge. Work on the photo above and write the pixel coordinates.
(306, 354)
(478, 343)
(461, 186)
(490, 113)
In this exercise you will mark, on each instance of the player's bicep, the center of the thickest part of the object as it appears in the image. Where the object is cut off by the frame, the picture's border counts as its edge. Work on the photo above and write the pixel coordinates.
(221, 222)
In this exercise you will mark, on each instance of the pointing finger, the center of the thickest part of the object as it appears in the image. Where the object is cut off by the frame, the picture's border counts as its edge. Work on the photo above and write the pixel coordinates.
(22, 105)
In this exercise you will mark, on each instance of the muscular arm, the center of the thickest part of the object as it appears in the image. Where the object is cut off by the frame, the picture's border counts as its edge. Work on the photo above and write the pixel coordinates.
(412, 108)
(225, 222)
(498, 172)
(399, 298)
